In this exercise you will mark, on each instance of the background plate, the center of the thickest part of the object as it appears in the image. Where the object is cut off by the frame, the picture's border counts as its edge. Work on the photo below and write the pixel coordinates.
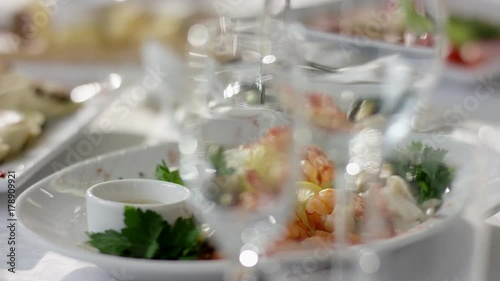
(58, 134)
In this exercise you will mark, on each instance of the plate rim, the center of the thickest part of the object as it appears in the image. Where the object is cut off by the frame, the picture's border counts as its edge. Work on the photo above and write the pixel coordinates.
(213, 266)
(95, 257)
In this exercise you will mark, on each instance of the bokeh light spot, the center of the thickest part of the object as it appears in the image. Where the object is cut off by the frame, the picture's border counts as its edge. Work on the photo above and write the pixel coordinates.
(369, 262)
(197, 35)
(352, 169)
(249, 258)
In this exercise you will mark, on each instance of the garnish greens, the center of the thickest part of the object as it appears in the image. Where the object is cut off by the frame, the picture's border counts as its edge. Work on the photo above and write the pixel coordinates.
(218, 160)
(461, 31)
(165, 174)
(146, 235)
(415, 21)
(423, 167)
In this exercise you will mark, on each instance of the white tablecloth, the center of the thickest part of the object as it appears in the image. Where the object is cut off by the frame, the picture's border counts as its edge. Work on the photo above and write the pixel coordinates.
(443, 257)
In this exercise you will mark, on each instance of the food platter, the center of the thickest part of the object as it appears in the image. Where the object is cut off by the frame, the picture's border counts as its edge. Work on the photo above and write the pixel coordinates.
(452, 70)
(62, 225)
(368, 47)
(58, 133)
(53, 211)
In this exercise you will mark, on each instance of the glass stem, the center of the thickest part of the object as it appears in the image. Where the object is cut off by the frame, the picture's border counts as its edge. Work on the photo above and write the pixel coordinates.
(476, 216)
(339, 224)
(344, 183)
(286, 10)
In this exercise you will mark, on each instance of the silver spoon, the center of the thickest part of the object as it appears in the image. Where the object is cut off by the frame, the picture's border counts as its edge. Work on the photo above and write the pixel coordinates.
(308, 65)
(87, 91)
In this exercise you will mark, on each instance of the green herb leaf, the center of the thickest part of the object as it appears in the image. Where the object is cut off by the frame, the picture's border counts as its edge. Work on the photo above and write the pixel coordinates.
(182, 240)
(461, 31)
(163, 173)
(415, 21)
(109, 242)
(142, 230)
(148, 236)
(218, 160)
(424, 168)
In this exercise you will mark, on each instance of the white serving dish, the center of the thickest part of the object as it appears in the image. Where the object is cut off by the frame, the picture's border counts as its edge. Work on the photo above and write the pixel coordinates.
(58, 134)
(53, 211)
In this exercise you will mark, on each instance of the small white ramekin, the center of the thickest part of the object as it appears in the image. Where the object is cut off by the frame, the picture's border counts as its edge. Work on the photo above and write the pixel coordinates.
(106, 201)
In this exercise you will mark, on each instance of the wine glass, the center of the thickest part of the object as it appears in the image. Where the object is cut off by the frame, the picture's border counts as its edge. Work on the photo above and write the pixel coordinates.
(354, 92)
(235, 146)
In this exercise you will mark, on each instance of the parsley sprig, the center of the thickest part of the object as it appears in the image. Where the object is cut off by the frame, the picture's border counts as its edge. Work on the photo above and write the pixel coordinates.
(165, 174)
(461, 30)
(146, 235)
(424, 168)
(416, 22)
(219, 162)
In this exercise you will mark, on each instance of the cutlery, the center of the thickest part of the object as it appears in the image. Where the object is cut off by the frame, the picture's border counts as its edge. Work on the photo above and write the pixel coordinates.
(87, 91)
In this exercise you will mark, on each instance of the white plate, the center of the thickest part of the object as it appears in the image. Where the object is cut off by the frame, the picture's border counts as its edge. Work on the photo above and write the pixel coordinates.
(475, 74)
(53, 212)
(58, 134)
(366, 48)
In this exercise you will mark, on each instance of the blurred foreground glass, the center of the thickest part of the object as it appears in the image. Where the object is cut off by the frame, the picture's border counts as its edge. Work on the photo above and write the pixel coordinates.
(239, 54)
(358, 100)
(235, 149)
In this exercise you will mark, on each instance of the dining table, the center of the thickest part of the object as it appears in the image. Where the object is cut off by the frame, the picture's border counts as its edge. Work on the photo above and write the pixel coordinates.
(458, 102)
(416, 262)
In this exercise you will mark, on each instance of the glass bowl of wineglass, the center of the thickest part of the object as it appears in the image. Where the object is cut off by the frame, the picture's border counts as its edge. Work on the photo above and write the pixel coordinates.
(235, 142)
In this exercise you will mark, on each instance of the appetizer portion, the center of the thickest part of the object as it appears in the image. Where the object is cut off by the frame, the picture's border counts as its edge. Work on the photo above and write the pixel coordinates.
(409, 193)
(392, 23)
(26, 106)
(473, 40)
(19, 92)
(386, 197)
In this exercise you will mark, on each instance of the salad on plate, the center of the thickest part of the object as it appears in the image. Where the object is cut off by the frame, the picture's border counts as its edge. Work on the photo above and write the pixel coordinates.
(410, 192)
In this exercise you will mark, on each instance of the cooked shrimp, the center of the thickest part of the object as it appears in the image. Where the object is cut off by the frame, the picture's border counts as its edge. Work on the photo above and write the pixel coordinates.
(324, 112)
(297, 230)
(317, 167)
(320, 216)
(322, 203)
(277, 137)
